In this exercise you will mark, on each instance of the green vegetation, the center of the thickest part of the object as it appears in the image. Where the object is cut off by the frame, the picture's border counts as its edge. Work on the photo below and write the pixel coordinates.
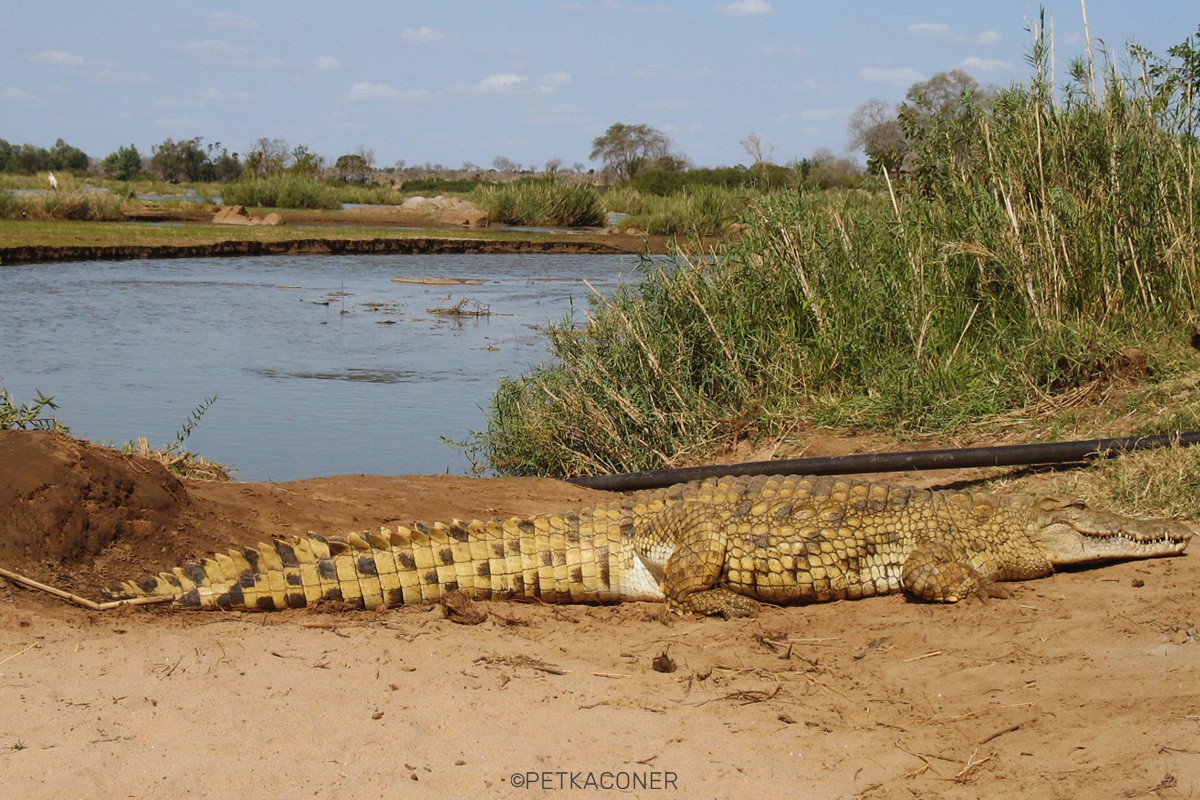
(543, 201)
(30, 416)
(79, 205)
(701, 211)
(1039, 234)
(282, 190)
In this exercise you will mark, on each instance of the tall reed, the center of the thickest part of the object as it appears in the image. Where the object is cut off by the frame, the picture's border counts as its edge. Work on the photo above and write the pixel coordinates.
(1036, 238)
(283, 190)
(542, 201)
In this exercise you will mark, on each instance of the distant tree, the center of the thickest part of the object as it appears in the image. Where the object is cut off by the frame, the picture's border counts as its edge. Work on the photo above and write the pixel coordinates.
(760, 152)
(352, 168)
(503, 164)
(627, 149)
(226, 166)
(28, 159)
(124, 165)
(67, 158)
(305, 162)
(946, 95)
(184, 160)
(267, 157)
(828, 171)
(937, 121)
(553, 166)
(875, 129)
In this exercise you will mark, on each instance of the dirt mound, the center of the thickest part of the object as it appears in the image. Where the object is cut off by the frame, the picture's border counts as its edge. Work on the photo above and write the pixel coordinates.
(85, 517)
(62, 499)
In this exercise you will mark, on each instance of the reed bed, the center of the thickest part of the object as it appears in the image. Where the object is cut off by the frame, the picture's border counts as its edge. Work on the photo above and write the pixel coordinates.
(543, 202)
(1034, 239)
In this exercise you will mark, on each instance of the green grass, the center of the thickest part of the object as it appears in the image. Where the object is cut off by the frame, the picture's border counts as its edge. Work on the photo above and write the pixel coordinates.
(62, 205)
(1035, 240)
(281, 191)
(541, 202)
(698, 211)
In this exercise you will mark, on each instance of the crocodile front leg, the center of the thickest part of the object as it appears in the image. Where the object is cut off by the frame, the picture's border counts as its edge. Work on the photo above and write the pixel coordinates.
(940, 572)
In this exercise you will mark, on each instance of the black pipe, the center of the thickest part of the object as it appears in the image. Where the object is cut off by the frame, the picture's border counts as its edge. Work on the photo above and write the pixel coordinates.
(1008, 455)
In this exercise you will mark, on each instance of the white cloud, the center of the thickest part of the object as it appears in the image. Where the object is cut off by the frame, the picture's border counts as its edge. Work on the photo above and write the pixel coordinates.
(746, 8)
(16, 95)
(987, 64)
(667, 72)
(421, 35)
(555, 79)
(367, 91)
(501, 82)
(327, 63)
(226, 20)
(939, 30)
(932, 29)
(221, 53)
(895, 76)
(59, 58)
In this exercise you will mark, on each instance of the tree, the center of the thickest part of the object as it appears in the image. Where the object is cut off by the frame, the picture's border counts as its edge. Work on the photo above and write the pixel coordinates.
(65, 157)
(305, 162)
(226, 166)
(627, 149)
(178, 161)
(352, 168)
(828, 171)
(938, 122)
(760, 152)
(267, 157)
(875, 129)
(504, 164)
(124, 164)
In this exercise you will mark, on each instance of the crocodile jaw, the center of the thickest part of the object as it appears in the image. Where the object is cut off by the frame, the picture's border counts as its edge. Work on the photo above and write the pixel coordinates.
(1068, 532)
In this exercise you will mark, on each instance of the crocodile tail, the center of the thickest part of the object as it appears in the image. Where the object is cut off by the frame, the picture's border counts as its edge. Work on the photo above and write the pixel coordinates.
(536, 558)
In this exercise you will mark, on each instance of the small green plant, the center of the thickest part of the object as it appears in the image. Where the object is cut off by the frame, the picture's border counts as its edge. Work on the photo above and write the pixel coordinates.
(29, 416)
(174, 457)
(190, 424)
(19, 746)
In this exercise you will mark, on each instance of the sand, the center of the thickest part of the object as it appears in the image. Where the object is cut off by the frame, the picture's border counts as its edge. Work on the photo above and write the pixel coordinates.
(1084, 684)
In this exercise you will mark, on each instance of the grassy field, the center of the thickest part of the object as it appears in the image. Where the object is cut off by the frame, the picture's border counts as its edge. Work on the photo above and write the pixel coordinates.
(52, 234)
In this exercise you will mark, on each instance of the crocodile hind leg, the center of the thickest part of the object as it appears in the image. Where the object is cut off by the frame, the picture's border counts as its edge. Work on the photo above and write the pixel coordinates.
(693, 572)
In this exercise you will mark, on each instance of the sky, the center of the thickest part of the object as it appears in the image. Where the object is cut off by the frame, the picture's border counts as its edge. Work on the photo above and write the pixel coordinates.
(452, 82)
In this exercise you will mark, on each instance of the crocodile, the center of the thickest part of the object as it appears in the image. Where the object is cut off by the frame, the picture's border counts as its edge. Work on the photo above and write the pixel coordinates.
(719, 547)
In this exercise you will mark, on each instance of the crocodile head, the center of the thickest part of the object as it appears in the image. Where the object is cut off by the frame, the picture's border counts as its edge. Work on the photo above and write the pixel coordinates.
(1068, 532)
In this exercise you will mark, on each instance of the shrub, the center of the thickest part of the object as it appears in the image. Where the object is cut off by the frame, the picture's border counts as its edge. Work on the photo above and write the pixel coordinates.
(544, 202)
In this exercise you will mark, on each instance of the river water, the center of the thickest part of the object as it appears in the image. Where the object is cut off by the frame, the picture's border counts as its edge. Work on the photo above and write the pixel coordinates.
(322, 365)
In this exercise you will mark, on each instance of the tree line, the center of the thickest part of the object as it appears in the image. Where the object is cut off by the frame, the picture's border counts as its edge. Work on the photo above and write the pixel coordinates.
(636, 154)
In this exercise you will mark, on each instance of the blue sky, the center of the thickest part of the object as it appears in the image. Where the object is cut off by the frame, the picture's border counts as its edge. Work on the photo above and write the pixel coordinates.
(453, 81)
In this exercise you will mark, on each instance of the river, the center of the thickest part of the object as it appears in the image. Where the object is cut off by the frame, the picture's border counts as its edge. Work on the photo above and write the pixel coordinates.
(322, 365)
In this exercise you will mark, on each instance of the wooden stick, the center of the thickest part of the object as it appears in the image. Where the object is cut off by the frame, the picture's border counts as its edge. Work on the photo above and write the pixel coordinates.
(75, 599)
